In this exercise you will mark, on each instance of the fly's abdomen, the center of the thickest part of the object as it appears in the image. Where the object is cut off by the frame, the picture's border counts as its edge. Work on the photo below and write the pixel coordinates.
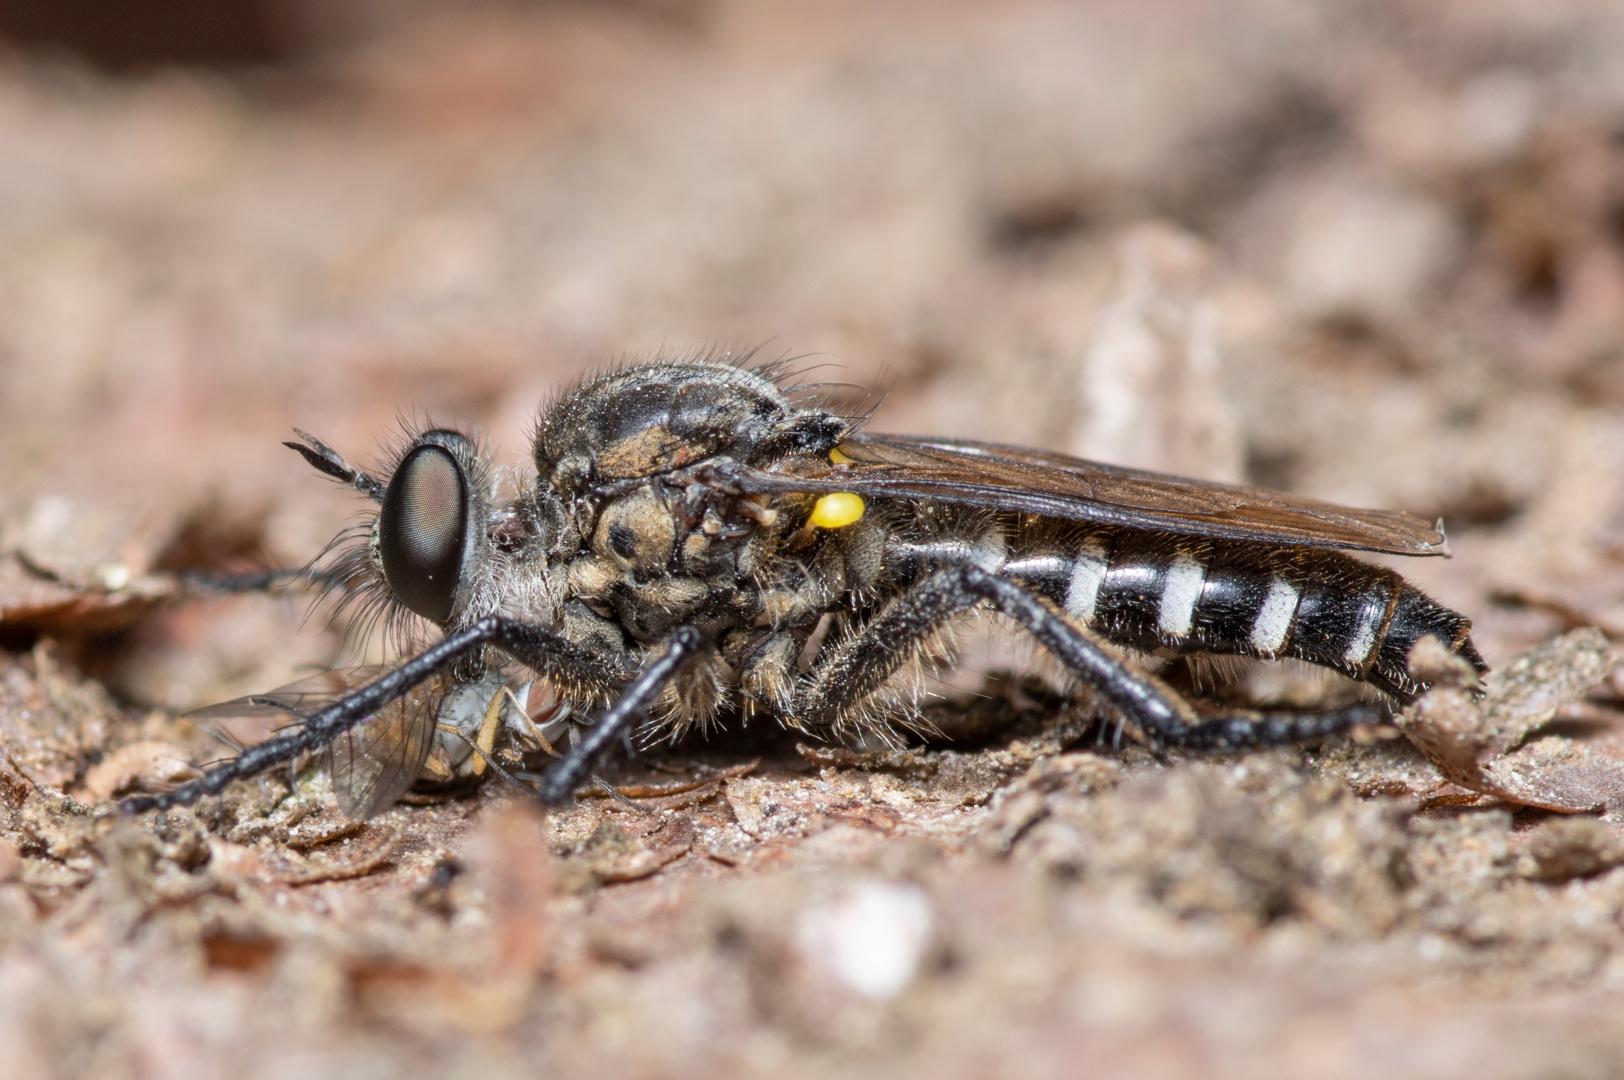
(1415, 614)
(1155, 591)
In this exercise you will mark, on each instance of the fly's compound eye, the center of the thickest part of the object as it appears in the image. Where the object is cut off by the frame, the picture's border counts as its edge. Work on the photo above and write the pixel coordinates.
(423, 531)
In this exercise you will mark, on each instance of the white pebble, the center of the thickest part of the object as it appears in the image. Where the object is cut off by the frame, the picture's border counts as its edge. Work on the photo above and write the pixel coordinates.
(870, 939)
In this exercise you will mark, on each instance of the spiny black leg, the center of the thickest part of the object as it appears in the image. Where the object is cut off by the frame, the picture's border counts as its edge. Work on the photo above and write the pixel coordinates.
(1243, 732)
(325, 459)
(685, 643)
(536, 647)
(863, 664)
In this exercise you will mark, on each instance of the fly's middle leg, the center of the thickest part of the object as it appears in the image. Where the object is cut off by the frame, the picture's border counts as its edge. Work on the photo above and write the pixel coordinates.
(682, 648)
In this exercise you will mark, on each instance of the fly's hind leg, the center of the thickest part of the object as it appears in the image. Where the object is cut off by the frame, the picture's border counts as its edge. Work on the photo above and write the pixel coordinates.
(861, 666)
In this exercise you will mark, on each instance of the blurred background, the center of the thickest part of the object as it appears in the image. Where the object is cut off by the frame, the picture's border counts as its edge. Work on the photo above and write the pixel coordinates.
(1367, 250)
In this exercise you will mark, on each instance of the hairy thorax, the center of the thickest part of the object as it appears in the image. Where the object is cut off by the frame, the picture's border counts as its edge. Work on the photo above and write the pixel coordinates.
(658, 558)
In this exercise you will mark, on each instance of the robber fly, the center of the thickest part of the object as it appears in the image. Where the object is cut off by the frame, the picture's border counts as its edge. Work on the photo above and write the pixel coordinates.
(697, 542)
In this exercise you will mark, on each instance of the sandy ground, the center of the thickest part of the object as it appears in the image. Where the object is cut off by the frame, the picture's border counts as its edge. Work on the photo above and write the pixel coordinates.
(1371, 252)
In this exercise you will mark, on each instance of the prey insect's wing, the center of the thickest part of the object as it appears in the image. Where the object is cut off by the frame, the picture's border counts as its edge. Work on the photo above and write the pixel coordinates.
(373, 763)
(1057, 486)
(296, 699)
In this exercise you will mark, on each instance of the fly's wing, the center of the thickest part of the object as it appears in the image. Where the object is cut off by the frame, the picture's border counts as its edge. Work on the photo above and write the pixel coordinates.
(1012, 478)
(373, 763)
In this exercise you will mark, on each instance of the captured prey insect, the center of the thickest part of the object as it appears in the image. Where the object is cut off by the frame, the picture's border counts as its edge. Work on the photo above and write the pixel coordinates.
(443, 731)
(698, 544)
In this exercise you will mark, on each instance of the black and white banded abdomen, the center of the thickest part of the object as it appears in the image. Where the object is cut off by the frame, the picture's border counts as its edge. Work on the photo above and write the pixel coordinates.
(1157, 591)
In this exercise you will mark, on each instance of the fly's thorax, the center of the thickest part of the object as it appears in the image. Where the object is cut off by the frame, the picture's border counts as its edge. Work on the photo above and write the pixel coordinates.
(652, 420)
(660, 555)
(637, 533)
(636, 537)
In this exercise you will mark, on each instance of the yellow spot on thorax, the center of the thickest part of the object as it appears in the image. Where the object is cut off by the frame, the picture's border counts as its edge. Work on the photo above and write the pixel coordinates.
(838, 458)
(837, 511)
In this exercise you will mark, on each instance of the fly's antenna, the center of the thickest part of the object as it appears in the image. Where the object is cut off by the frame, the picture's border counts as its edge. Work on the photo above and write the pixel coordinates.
(325, 459)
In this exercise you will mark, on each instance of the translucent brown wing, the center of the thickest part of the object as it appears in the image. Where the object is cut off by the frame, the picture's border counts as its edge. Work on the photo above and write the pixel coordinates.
(1057, 486)
(373, 763)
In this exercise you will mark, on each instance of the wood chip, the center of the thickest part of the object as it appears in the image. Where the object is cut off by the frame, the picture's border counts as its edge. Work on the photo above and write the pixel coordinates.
(352, 857)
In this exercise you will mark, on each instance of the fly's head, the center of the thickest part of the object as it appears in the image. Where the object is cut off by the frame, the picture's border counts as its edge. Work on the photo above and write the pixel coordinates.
(430, 541)
(437, 549)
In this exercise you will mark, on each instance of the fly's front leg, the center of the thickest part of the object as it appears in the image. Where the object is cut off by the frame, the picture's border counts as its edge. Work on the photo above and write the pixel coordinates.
(326, 460)
(206, 582)
(684, 645)
(860, 666)
(576, 670)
